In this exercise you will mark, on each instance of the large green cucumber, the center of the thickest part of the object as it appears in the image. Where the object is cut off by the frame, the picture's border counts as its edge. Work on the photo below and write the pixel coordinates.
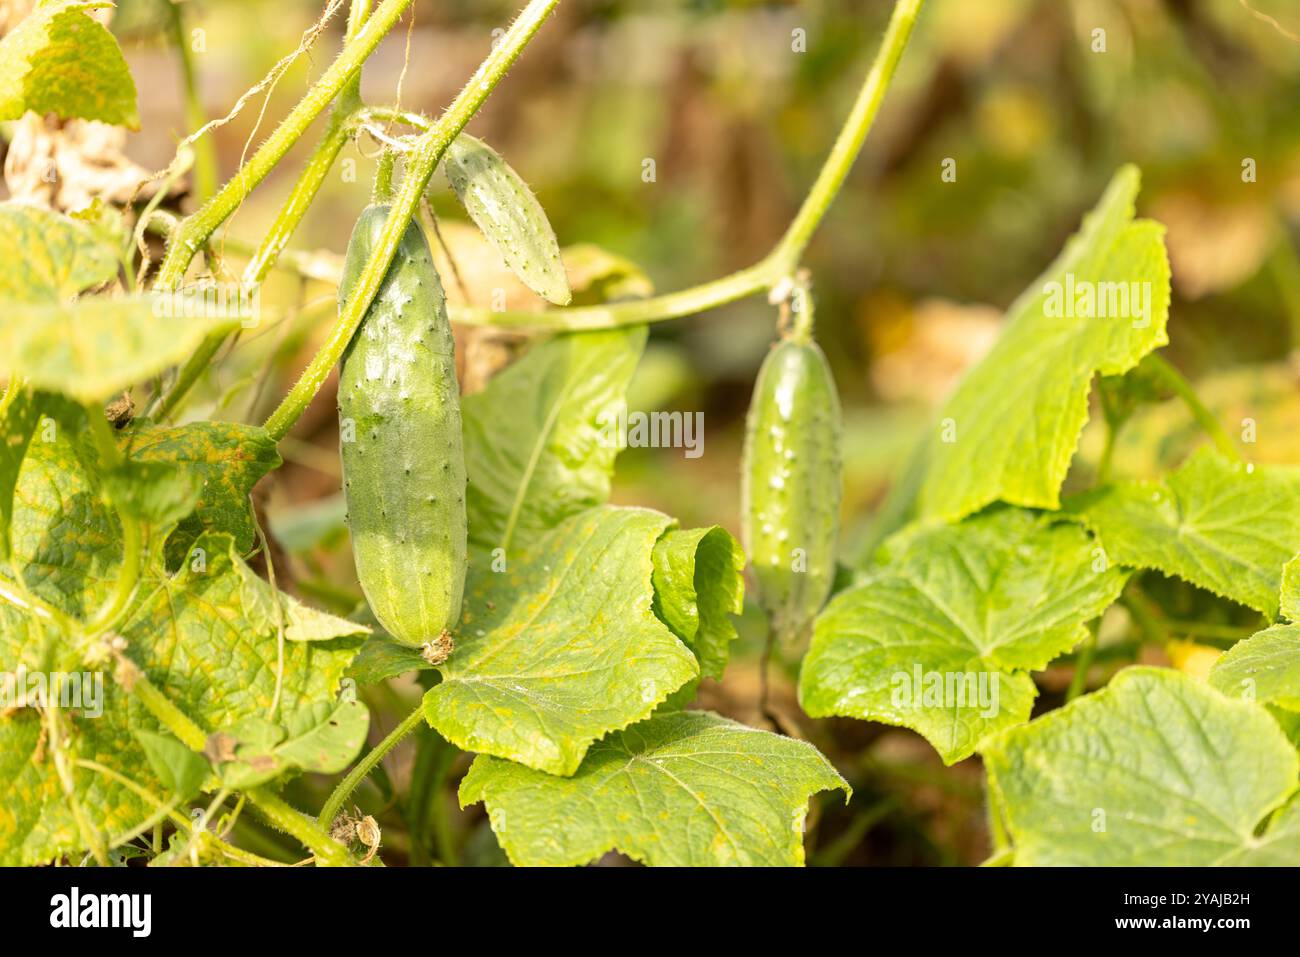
(399, 417)
(791, 485)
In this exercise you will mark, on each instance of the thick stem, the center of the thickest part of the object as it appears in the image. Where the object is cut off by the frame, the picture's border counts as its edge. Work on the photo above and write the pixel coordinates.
(280, 814)
(195, 230)
(428, 151)
(367, 764)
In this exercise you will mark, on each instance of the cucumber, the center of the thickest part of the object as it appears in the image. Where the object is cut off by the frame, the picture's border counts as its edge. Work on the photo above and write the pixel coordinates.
(509, 215)
(404, 470)
(791, 485)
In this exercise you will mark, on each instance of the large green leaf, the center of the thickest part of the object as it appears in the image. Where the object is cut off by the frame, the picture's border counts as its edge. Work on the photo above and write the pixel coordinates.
(49, 257)
(939, 639)
(1226, 527)
(58, 60)
(1156, 769)
(537, 446)
(1009, 431)
(228, 458)
(322, 737)
(1264, 668)
(563, 647)
(688, 788)
(699, 584)
(97, 347)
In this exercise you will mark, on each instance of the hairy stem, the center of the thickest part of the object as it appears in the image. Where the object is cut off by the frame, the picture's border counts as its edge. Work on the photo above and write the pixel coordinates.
(367, 764)
(420, 166)
(194, 230)
(783, 259)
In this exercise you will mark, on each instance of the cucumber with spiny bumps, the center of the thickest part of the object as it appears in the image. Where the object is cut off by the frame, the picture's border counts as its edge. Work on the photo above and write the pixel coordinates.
(403, 465)
(509, 215)
(791, 484)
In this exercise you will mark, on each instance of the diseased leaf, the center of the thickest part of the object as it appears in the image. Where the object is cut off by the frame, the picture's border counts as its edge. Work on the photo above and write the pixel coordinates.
(1225, 527)
(540, 441)
(20, 416)
(206, 637)
(228, 458)
(563, 647)
(1154, 770)
(1264, 668)
(505, 209)
(49, 257)
(95, 348)
(1010, 430)
(940, 637)
(687, 788)
(180, 771)
(58, 60)
(699, 585)
(323, 736)
(156, 493)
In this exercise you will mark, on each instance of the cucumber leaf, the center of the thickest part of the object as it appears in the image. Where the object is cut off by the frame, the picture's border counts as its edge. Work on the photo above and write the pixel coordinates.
(228, 458)
(940, 638)
(95, 348)
(49, 257)
(1264, 668)
(699, 584)
(58, 60)
(1010, 430)
(537, 449)
(1155, 769)
(1290, 604)
(687, 788)
(561, 647)
(1225, 527)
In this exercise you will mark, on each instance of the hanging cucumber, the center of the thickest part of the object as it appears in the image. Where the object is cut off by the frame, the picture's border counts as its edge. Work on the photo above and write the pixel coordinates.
(509, 215)
(790, 480)
(399, 418)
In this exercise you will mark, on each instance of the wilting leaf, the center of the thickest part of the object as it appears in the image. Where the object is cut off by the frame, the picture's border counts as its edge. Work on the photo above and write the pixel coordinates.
(49, 257)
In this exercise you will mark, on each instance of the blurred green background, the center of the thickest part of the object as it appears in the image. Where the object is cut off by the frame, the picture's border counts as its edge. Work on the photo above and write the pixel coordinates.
(911, 272)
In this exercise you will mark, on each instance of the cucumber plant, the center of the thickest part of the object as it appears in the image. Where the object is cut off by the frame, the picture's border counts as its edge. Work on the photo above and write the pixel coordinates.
(558, 641)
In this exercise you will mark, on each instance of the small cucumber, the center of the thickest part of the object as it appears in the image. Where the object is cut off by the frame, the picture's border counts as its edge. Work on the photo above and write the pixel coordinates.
(399, 419)
(509, 215)
(791, 484)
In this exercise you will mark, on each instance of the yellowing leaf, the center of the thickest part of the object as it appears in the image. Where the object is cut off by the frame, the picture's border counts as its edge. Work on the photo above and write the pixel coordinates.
(58, 60)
